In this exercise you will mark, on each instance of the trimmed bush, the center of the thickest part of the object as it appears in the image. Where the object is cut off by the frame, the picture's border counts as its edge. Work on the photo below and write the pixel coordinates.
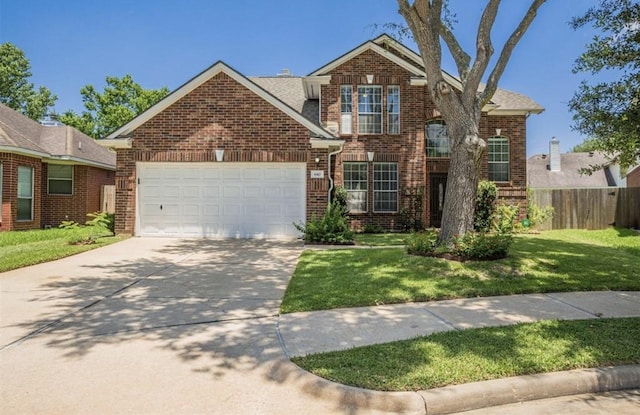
(422, 243)
(482, 246)
(485, 205)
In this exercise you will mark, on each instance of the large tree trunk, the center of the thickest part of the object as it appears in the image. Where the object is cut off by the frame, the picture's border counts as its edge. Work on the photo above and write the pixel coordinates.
(462, 182)
(460, 109)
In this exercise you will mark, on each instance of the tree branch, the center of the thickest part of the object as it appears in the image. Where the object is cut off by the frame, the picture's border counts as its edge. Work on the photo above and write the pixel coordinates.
(461, 57)
(492, 82)
(484, 51)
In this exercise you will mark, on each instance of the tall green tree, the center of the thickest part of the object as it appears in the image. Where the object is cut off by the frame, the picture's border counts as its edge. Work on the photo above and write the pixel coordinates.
(609, 112)
(121, 101)
(428, 23)
(15, 89)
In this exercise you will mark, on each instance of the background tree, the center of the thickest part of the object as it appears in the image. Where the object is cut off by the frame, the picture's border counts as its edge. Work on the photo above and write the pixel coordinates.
(461, 110)
(15, 89)
(122, 100)
(586, 146)
(609, 112)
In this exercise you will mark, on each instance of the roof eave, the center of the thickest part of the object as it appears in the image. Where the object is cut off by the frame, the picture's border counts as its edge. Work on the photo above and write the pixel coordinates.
(115, 143)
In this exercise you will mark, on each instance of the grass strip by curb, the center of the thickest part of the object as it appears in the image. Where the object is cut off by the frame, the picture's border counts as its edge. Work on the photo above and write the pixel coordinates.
(472, 355)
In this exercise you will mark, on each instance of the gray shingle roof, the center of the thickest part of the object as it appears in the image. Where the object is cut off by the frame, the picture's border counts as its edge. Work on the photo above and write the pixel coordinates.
(539, 176)
(289, 89)
(20, 132)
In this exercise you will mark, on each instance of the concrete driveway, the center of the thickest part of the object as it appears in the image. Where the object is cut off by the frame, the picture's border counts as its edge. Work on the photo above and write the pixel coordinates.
(152, 326)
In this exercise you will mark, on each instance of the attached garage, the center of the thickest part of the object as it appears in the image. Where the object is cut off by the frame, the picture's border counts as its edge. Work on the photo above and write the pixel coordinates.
(225, 200)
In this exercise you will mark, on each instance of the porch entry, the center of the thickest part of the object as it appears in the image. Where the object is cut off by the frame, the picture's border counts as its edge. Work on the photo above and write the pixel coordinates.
(438, 186)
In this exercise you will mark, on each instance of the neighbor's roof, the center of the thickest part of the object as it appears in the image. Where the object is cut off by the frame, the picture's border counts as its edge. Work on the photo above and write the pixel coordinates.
(20, 134)
(540, 177)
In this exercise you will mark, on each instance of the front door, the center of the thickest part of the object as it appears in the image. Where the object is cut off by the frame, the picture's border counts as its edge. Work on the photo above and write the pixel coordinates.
(438, 185)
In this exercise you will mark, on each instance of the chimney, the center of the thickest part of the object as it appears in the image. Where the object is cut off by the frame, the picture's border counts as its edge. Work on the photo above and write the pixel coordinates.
(69, 140)
(554, 154)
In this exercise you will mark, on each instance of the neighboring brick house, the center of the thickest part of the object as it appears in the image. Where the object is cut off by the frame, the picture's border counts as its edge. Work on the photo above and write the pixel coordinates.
(230, 156)
(633, 177)
(48, 174)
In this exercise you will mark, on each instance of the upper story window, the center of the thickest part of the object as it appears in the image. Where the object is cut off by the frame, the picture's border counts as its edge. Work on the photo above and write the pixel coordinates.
(60, 179)
(346, 108)
(393, 109)
(370, 110)
(438, 144)
(499, 159)
(355, 183)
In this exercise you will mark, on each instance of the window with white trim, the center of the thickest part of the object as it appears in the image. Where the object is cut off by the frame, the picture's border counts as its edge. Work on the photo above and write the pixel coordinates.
(393, 109)
(499, 156)
(355, 183)
(385, 187)
(25, 193)
(369, 109)
(346, 108)
(60, 179)
(438, 144)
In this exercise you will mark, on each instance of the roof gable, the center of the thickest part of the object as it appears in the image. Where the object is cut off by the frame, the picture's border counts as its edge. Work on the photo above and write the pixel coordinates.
(372, 46)
(198, 80)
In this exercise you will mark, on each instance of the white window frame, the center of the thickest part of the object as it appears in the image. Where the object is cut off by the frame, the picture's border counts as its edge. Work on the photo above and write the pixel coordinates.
(393, 109)
(30, 197)
(346, 109)
(385, 186)
(358, 188)
(442, 147)
(499, 158)
(365, 92)
(49, 179)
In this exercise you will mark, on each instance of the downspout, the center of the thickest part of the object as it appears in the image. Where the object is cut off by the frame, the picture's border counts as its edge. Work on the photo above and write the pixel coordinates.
(338, 151)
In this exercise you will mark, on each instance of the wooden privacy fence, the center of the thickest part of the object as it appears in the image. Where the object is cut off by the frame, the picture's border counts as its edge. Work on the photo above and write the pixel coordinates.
(108, 199)
(590, 208)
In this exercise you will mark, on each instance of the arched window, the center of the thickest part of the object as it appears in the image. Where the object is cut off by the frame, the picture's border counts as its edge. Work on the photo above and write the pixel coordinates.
(499, 159)
(437, 139)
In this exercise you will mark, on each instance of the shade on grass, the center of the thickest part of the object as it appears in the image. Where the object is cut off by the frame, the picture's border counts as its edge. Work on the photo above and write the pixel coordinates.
(472, 355)
(554, 261)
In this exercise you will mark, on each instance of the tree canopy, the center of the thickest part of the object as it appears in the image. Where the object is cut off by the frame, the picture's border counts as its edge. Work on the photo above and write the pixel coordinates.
(609, 112)
(121, 101)
(15, 89)
(428, 22)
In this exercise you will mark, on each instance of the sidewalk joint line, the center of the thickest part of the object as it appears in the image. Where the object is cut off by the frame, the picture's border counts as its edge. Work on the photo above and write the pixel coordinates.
(572, 305)
(281, 340)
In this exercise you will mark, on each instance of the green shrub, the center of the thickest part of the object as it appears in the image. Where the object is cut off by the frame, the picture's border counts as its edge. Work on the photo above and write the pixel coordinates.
(375, 228)
(485, 205)
(332, 228)
(537, 215)
(422, 243)
(482, 245)
(504, 218)
(102, 221)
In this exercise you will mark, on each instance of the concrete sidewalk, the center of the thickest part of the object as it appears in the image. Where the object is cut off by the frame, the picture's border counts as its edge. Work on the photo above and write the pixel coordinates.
(322, 331)
(339, 329)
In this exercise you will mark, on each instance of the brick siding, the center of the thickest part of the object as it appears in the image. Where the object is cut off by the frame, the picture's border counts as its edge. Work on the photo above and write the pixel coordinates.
(219, 114)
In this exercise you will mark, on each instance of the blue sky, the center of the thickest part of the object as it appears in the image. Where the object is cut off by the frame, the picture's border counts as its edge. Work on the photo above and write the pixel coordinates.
(73, 43)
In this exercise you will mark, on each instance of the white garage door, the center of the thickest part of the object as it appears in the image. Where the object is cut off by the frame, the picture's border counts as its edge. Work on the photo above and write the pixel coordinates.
(227, 200)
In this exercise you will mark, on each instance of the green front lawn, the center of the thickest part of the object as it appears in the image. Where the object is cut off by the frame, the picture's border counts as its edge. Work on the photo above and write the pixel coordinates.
(554, 261)
(473, 355)
(22, 248)
(381, 239)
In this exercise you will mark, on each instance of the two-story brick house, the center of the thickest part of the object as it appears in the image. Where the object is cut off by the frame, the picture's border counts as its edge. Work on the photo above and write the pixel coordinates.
(230, 156)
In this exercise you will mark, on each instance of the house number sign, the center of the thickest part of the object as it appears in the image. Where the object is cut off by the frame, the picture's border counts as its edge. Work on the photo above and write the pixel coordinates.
(317, 174)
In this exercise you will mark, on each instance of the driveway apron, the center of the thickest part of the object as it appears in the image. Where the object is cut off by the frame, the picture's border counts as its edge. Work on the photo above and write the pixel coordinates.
(151, 326)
